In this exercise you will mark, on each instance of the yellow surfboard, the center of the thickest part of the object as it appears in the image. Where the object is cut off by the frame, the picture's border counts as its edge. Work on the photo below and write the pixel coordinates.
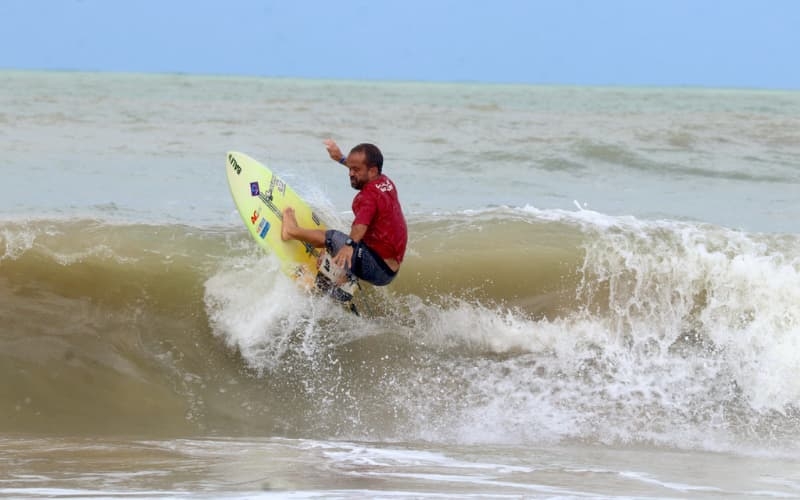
(261, 196)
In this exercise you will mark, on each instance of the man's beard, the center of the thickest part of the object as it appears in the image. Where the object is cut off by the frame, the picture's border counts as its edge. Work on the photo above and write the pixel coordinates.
(357, 184)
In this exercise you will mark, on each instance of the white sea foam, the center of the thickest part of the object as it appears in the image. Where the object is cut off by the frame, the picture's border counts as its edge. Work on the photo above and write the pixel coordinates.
(682, 334)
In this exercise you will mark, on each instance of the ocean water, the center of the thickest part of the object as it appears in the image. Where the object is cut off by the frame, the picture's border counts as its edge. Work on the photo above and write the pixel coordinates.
(599, 300)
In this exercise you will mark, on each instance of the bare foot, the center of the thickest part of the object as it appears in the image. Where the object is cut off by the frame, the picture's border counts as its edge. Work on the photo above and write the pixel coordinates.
(289, 224)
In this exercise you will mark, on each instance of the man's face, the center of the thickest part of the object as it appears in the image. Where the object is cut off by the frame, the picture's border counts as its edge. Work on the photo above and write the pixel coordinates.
(360, 174)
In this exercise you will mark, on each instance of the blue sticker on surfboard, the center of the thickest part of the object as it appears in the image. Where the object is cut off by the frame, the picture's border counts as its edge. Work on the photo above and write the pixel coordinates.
(263, 228)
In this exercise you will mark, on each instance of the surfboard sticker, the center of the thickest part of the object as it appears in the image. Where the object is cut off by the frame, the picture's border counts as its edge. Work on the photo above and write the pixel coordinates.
(260, 197)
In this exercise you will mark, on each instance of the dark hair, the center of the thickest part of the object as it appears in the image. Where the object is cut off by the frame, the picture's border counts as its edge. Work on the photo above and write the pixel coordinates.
(372, 155)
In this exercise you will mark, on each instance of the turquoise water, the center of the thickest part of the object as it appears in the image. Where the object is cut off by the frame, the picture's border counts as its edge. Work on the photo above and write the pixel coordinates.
(599, 298)
(727, 157)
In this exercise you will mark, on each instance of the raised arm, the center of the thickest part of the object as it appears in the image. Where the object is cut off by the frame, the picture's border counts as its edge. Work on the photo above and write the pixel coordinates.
(334, 152)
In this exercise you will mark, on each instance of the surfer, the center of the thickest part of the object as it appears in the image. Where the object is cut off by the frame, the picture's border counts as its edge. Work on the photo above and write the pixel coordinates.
(374, 249)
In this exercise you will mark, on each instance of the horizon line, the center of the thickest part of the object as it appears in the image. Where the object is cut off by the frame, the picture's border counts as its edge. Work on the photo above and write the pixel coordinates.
(435, 81)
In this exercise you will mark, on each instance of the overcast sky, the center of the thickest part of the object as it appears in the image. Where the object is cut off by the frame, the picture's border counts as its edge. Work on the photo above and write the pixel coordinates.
(712, 43)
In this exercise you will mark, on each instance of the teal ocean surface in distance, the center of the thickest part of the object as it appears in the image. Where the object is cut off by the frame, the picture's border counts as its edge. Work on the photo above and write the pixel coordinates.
(147, 147)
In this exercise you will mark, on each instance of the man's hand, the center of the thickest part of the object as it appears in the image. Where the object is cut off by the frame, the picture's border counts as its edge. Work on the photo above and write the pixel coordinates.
(333, 150)
(344, 257)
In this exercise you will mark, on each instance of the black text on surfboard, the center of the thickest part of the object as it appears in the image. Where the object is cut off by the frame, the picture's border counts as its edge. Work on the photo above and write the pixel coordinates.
(234, 164)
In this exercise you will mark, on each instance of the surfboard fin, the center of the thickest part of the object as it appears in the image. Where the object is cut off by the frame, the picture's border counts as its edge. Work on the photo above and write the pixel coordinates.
(339, 292)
